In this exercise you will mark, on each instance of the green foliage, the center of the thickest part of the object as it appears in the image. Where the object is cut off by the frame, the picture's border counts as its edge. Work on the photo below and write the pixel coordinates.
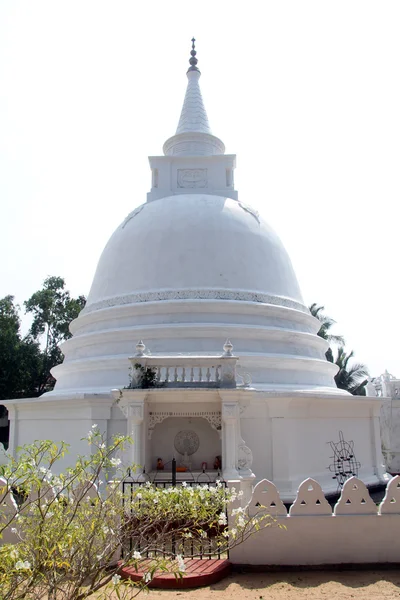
(70, 527)
(25, 363)
(146, 377)
(20, 357)
(53, 309)
(350, 377)
(326, 324)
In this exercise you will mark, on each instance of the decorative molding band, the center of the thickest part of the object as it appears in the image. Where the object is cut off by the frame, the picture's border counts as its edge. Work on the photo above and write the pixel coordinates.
(191, 294)
(155, 416)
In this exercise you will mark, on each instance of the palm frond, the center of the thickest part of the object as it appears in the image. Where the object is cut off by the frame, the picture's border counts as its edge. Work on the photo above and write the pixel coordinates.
(358, 370)
(336, 339)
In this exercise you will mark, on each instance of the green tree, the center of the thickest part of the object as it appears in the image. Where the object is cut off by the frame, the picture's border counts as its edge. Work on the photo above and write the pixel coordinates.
(53, 309)
(20, 360)
(326, 324)
(20, 357)
(350, 377)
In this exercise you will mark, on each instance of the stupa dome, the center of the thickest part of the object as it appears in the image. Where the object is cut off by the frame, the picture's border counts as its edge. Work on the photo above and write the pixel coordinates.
(189, 268)
(194, 246)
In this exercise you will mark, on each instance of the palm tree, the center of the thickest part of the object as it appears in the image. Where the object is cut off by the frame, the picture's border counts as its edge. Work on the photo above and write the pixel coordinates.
(326, 324)
(352, 378)
(349, 377)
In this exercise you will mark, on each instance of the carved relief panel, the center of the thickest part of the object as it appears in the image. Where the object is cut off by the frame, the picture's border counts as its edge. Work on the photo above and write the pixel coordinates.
(192, 178)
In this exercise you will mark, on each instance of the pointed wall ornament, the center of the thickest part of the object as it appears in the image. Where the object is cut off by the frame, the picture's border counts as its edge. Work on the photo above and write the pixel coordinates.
(355, 499)
(266, 499)
(310, 500)
(391, 502)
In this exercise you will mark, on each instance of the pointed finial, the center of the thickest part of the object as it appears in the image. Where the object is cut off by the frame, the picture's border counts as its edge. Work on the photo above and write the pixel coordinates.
(193, 60)
(228, 347)
(140, 348)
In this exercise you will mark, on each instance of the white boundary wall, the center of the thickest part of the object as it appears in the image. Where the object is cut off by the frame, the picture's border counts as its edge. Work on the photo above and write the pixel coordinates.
(356, 531)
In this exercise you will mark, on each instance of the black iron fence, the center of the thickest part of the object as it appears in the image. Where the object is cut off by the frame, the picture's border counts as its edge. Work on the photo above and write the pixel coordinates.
(167, 540)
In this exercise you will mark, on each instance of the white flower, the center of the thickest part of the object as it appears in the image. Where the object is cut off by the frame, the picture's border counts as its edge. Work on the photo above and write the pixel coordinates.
(20, 565)
(181, 564)
(240, 493)
(237, 511)
(222, 519)
(203, 534)
(155, 500)
(94, 425)
(137, 555)
(184, 484)
(139, 496)
(115, 462)
(233, 532)
(102, 446)
(241, 522)
(13, 530)
(147, 577)
(115, 579)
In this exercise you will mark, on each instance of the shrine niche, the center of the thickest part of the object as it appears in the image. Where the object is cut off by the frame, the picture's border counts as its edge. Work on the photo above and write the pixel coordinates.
(190, 440)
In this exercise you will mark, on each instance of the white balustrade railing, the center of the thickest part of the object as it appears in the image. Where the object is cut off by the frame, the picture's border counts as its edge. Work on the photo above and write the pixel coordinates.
(183, 371)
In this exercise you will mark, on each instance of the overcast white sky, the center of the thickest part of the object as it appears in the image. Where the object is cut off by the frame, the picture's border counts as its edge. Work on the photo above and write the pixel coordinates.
(306, 93)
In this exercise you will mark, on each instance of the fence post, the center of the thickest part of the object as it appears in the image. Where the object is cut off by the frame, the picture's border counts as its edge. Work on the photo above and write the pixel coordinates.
(173, 472)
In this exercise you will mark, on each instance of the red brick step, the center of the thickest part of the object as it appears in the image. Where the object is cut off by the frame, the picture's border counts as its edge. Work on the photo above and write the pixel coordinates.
(199, 572)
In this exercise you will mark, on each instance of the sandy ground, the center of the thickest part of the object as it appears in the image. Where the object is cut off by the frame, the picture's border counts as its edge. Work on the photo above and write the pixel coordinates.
(316, 585)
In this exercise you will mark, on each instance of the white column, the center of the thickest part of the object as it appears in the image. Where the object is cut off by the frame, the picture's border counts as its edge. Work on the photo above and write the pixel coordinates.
(376, 445)
(134, 412)
(230, 418)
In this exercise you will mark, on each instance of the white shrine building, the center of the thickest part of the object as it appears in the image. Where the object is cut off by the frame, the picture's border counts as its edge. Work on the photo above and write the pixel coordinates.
(188, 269)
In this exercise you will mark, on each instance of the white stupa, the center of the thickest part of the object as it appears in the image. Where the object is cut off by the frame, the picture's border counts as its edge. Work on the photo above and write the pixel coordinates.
(188, 269)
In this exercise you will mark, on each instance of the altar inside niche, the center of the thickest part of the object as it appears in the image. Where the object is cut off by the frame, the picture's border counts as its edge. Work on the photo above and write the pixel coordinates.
(192, 441)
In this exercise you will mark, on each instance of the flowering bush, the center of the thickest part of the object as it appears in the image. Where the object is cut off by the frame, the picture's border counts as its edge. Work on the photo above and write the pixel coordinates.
(69, 528)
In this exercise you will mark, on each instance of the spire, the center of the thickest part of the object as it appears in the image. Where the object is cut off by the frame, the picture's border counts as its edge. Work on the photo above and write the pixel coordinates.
(193, 136)
(193, 116)
(193, 61)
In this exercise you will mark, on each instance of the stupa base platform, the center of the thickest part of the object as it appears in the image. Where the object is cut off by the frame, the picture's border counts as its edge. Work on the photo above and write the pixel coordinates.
(199, 573)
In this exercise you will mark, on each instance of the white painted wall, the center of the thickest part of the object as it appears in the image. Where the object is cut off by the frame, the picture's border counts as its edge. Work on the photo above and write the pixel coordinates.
(313, 535)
